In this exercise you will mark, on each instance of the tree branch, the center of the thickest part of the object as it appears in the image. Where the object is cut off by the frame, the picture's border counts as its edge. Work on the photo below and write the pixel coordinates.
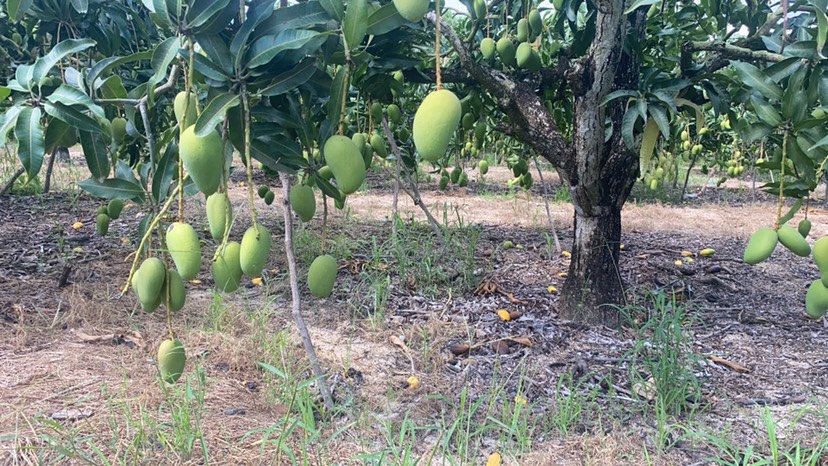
(531, 122)
(734, 51)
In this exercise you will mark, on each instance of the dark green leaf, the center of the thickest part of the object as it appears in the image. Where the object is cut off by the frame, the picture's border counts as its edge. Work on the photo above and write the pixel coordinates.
(81, 6)
(339, 87)
(70, 96)
(107, 64)
(660, 116)
(44, 64)
(617, 94)
(756, 79)
(30, 144)
(628, 126)
(7, 122)
(795, 99)
(334, 8)
(113, 188)
(794, 209)
(756, 132)
(766, 112)
(292, 78)
(164, 173)
(204, 10)
(638, 4)
(258, 12)
(113, 88)
(55, 132)
(73, 117)
(384, 19)
(355, 24)
(267, 48)
(215, 112)
(18, 8)
(162, 56)
(97, 158)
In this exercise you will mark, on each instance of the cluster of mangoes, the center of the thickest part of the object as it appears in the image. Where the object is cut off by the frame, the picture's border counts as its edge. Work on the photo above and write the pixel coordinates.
(111, 211)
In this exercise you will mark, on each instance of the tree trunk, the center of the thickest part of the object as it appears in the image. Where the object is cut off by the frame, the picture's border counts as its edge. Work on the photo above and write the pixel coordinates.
(594, 280)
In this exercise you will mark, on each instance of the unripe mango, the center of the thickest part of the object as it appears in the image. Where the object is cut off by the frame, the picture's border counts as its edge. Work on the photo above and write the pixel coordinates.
(325, 173)
(376, 112)
(367, 155)
(119, 129)
(468, 121)
(792, 240)
(535, 22)
(171, 360)
(412, 10)
(487, 48)
(483, 166)
(175, 287)
(816, 300)
(102, 224)
(760, 245)
(184, 248)
(114, 208)
(506, 50)
(269, 197)
(346, 163)
(255, 249)
(178, 108)
(378, 144)
(203, 158)
(527, 57)
(394, 113)
(303, 202)
(322, 275)
(479, 7)
(219, 211)
(148, 281)
(523, 30)
(435, 122)
(804, 227)
(227, 271)
(820, 253)
(358, 139)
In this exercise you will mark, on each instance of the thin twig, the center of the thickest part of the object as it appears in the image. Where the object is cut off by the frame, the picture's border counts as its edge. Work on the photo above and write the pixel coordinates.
(14, 178)
(48, 183)
(546, 204)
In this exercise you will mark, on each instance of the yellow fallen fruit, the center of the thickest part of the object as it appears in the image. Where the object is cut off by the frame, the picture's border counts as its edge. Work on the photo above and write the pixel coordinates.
(551, 289)
(77, 250)
(256, 281)
(413, 382)
(125, 240)
(494, 460)
(707, 252)
(687, 254)
(518, 246)
(678, 262)
(519, 400)
(566, 253)
(562, 274)
(622, 247)
(195, 282)
(504, 315)
(77, 225)
(689, 260)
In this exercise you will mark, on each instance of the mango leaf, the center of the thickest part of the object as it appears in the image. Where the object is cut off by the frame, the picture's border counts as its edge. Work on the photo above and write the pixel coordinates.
(70, 96)
(159, 7)
(257, 13)
(627, 127)
(755, 132)
(660, 116)
(113, 188)
(334, 8)
(4, 92)
(638, 4)
(94, 150)
(81, 6)
(355, 24)
(7, 122)
(797, 147)
(339, 87)
(203, 10)
(44, 64)
(267, 48)
(23, 76)
(648, 143)
(299, 16)
(113, 88)
(30, 144)
(292, 78)
(700, 121)
(164, 172)
(328, 189)
(384, 19)
(795, 100)
(73, 117)
(822, 27)
(266, 152)
(162, 56)
(109, 63)
(55, 132)
(756, 79)
(215, 112)
(18, 8)
(766, 112)
(794, 209)
(618, 94)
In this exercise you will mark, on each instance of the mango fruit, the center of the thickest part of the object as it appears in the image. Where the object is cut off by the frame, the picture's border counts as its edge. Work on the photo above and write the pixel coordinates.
(367, 155)
(114, 208)
(412, 10)
(269, 197)
(488, 48)
(527, 57)
(468, 121)
(535, 22)
(346, 163)
(322, 275)
(479, 7)
(118, 129)
(506, 51)
(358, 139)
(820, 253)
(171, 360)
(175, 287)
(219, 211)
(148, 282)
(255, 249)
(325, 173)
(816, 300)
(394, 113)
(262, 191)
(760, 245)
(792, 240)
(376, 112)
(804, 227)
(184, 248)
(178, 108)
(483, 166)
(523, 30)
(435, 122)
(463, 180)
(203, 158)
(378, 144)
(102, 224)
(227, 270)
(303, 202)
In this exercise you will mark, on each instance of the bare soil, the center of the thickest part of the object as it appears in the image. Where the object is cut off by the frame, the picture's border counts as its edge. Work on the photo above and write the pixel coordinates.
(52, 366)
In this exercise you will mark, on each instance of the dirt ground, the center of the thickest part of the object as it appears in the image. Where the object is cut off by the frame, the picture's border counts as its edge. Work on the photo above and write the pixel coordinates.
(74, 357)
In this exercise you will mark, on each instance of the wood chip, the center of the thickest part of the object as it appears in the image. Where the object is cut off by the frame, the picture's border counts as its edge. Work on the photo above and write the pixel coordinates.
(730, 364)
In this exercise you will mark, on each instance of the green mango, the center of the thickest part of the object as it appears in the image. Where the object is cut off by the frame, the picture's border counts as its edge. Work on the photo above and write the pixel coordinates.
(535, 22)
(102, 224)
(816, 300)
(114, 208)
(175, 287)
(523, 30)
(358, 139)
(325, 173)
(820, 254)
(148, 282)
(792, 240)
(255, 249)
(435, 122)
(322, 275)
(488, 48)
(219, 212)
(506, 50)
(479, 7)
(804, 227)
(394, 113)
(227, 271)
(455, 174)
(483, 166)
(119, 129)
(346, 163)
(527, 57)
(269, 197)
(262, 191)
(172, 359)
(463, 180)
(378, 144)
(184, 248)
(178, 108)
(412, 10)
(760, 245)
(203, 158)
(303, 202)
(376, 112)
